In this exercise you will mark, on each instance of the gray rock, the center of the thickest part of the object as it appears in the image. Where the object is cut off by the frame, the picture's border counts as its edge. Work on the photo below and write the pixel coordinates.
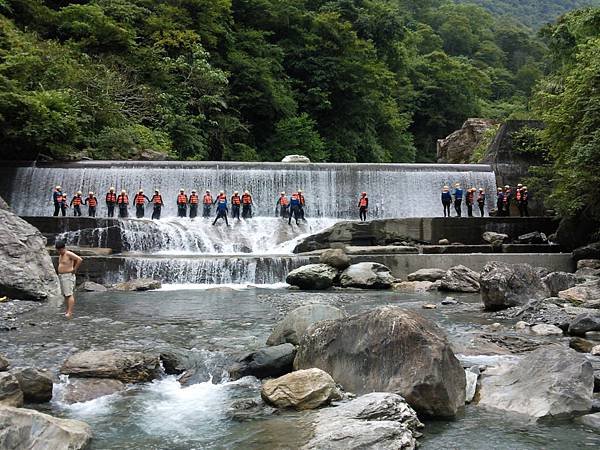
(388, 349)
(26, 266)
(543, 329)
(412, 287)
(36, 384)
(444, 242)
(295, 323)
(303, 389)
(595, 351)
(449, 301)
(559, 281)
(266, 362)
(367, 275)
(427, 275)
(335, 257)
(591, 251)
(296, 159)
(126, 366)
(471, 386)
(534, 237)
(593, 264)
(496, 239)
(552, 381)
(593, 335)
(312, 277)
(90, 286)
(373, 421)
(506, 285)
(28, 429)
(174, 362)
(582, 293)
(80, 390)
(141, 284)
(10, 391)
(4, 364)
(584, 323)
(581, 345)
(590, 420)
(460, 279)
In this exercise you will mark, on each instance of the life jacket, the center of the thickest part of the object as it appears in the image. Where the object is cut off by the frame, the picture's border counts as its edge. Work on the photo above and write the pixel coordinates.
(506, 197)
(76, 200)
(301, 197)
(194, 199)
(458, 194)
(283, 201)
(157, 199)
(181, 199)
(481, 198)
(111, 197)
(363, 202)
(207, 199)
(221, 202)
(123, 199)
(295, 199)
(246, 199)
(446, 197)
(236, 200)
(518, 195)
(92, 202)
(59, 198)
(139, 199)
(469, 197)
(524, 196)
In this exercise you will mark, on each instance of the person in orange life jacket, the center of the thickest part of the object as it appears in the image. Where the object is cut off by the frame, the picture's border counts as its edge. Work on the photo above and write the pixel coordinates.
(458, 198)
(481, 200)
(60, 202)
(500, 202)
(282, 206)
(446, 200)
(518, 198)
(236, 201)
(76, 203)
(294, 208)
(182, 202)
(207, 202)
(221, 208)
(470, 199)
(363, 205)
(246, 205)
(111, 201)
(302, 204)
(524, 202)
(140, 200)
(507, 199)
(123, 203)
(158, 203)
(194, 200)
(91, 201)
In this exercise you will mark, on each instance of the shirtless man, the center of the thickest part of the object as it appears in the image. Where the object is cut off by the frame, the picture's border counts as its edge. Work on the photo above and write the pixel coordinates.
(68, 263)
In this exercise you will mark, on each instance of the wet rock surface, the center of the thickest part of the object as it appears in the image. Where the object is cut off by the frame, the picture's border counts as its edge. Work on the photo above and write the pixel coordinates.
(80, 390)
(140, 284)
(335, 257)
(460, 279)
(313, 277)
(559, 281)
(265, 362)
(427, 275)
(36, 384)
(10, 391)
(367, 275)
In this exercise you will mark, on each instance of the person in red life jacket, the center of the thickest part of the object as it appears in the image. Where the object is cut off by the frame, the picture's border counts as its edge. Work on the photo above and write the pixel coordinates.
(302, 204)
(140, 200)
(524, 202)
(499, 202)
(470, 199)
(507, 199)
(236, 201)
(91, 201)
(158, 203)
(111, 201)
(182, 202)
(363, 205)
(207, 202)
(123, 203)
(222, 209)
(76, 203)
(60, 202)
(246, 205)
(282, 206)
(294, 208)
(194, 200)
(481, 201)
(518, 198)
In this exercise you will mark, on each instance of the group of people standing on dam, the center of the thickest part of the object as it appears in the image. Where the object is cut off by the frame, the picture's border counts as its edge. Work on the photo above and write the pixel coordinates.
(504, 199)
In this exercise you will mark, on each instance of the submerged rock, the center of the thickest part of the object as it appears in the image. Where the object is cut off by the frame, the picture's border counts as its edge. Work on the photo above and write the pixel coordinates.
(140, 284)
(388, 349)
(559, 281)
(427, 275)
(379, 420)
(28, 429)
(10, 391)
(36, 384)
(85, 389)
(295, 323)
(266, 362)
(590, 420)
(312, 277)
(581, 345)
(367, 275)
(335, 257)
(460, 279)
(303, 389)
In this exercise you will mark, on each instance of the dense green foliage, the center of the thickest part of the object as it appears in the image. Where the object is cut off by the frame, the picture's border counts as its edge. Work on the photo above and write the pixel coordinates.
(534, 13)
(338, 80)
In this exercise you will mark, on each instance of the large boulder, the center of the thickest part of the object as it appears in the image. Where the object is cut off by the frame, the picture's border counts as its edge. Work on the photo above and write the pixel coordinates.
(591, 251)
(335, 257)
(140, 284)
(367, 275)
(460, 279)
(496, 239)
(432, 275)
(26, 266)
(295, 323)
(266, 362)
(126, 366)
(379, 420)
(10, 391)
(303, 389)
(583, 323)
(80, 390)
(552, 381)
(36, 384)
(312, 277)
(559, 281)
(296, 159)
(90, 286)
(388, 349)
(28, 429)
(458, 147)
(506, 285)
(582, 293)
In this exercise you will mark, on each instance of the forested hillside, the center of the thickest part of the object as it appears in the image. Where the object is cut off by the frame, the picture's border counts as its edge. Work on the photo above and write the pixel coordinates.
(340, 80)
(534, 13)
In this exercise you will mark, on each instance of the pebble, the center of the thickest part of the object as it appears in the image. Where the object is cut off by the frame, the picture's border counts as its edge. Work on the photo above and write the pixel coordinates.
(449, 301)
(429, 306)
(596, 350)
(521, 325)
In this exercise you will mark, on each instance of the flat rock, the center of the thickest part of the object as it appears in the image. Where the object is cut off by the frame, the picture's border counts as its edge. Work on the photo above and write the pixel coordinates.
(140, 284)
(90, 286)
(335, 257)
(381, 250)
(427, 275)
(582, 293)
(36, 384)
(496, 239)
(543, 329)
(412, 287)
(593, 264)
(10, 391)
(265, 362)
(80, 390)
(367, 275)
(313, 277)
(460, 279)
(126, 366)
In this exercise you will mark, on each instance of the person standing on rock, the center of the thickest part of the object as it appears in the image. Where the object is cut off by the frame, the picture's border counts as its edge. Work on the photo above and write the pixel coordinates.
(76, 203)
(236, 202)
(60, 202)
(470, 198)
(294, 208)
(524, 202)
(123, 202)
(500, 202)
(91, 201)
(221, 208)
(68, 263)
(140, 200)
(302, 204)
(111, 201)
(518, 192)
(207, 202)
(282, 206)
(458, 198)
(507, 199)
(481, 201)
(182, 202)
(363, 205)
(194, 200)
(157, 201)
(446, 200)
(246, 205)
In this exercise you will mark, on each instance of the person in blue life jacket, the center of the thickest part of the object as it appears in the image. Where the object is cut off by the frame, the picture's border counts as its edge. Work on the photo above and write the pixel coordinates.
(295, 206)
(222, 209)
(458, 198)
(60, 201)
(481, 201)
(500, 202)
(446, 200)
